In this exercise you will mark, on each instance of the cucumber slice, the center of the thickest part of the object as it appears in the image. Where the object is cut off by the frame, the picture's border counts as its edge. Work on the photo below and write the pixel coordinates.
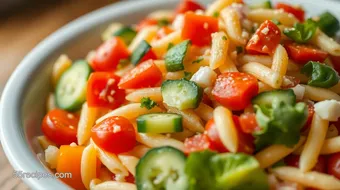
(126, 33)
(175, 56)
(162, 169)
(140, 51)
(267, 99)
(182, 94)
(71, 87)
(159, 123)
(263, 5)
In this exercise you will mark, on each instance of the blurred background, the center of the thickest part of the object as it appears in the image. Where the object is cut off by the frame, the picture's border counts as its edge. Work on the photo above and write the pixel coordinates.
(23, 24)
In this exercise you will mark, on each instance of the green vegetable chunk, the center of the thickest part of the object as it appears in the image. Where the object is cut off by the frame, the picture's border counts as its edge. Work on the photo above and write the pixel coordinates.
(321, 75)
(301, 33)
(71, 88)
(181, 94)
(263, 5)
(159, 123)
(328, 23)
(147, 103)
(139, 52)
(227, 171)
(279, 118)
(126, 33)
(175, 56)
(162, 169)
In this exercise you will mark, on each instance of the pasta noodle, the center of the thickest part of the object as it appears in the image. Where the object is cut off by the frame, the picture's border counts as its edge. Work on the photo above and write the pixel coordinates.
(280, 61)
(157, 140)
(319, 94)
(332, 132)
(336, 88)
(181, 136)
(160, 46)
(331, 145)
(153, 93)
(275, 153)
(88, 165)
(264, 87)
(147, 34)
(219, 49)
(161, 14)
(218, 5)
(229, 66)
(51, 156)
(87, 119)
(309, 179)
(139, 151)
(261, 15)
(226, 128)
(204, 111)
(130, 162)
(174, 75)
(161, 65)
(326, 43)
(233, 26)
(313, 145)
(190, 120)
(111, 185)
(44, 142)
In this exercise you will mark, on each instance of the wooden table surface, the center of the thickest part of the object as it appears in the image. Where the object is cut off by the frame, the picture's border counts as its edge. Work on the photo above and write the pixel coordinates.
(19, 33)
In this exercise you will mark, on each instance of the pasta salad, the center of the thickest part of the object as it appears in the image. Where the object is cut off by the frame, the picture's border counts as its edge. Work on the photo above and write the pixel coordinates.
(225, 97)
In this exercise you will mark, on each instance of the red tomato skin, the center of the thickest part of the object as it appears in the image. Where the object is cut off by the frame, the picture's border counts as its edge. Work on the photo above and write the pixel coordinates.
(164, 31)
(188, 5)
(56, 126)
(235, 90)
(198, 143)
(248, 123)
(149, 55)
(198, 28)
(302, 53)
(146, 74)
(299, 13)
(333, 165)
(146, 22)
(265, 39)
(115, 134)
(336, 62)
(211, 131)
(109, 54)
(100, 82)
(293, 160)
(310, 117)
(207, 100)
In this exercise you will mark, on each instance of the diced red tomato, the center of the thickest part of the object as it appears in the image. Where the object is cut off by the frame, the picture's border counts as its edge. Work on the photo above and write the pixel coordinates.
(293, 82)
(109, 54)
(103, 91)
(265, 39)
(336, 62)
(304, 53)
(188, 5)
(248, 123)
(149, 55)
(298, 12)
(164, 31)
(207, 100)
(198, 28)
(235, 90)
(333, 165)
(146, 74)
(310, 116)
(60, 127)
(246, 141)
(197, 143)
(146, 22)
(320, 166)
(115, 134)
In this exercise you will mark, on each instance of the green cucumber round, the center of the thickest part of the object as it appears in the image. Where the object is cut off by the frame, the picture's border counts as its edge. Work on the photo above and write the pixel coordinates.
(159, 123)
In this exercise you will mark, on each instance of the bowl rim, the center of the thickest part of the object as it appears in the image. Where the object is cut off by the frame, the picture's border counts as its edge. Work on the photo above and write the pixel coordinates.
(13, 141)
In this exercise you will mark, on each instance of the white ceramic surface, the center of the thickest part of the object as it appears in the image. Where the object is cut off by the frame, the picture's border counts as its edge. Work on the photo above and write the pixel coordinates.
(23, 100)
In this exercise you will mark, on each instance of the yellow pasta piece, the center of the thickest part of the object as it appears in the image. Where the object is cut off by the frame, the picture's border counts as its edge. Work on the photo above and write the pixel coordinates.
(233, 26)
(319, 94)
(97, 184)
(219, 49)
(88, 165)
(336, 88)
(326, 43)
(261, 15)
(313, 145)
(190, 119)
(130, 111)
(139, 151)
(107, 34)
(59, 67)
(45, 142)
(264, 87)
(226, 128)
(280, 61)
(174, 75)
(218, 5)
(204, 111)
(331, 145)
(275, 153)
(87, 119)
(147, 34)
(157, 140)
(153, 93)
(332, 132)
(265, 60)
(51, 156)
(308, 179)
(263, 73)
(160, 46)
(181, 136)
(162, 14)
(161, 65)
(130, 162)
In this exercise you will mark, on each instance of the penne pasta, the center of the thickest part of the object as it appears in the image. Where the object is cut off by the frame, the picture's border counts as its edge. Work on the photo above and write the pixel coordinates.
(275, 153)
(331, 145)
(153, 93)
(233, 26)
(308, 179)
(265, 60)
(51, 156)
(218, 5)
(126, 112)
(332, 132)
(260, 15)
(190, 119)
(226, 128)
(139, 151)
(88, 116)
(319, 94)
(219, 49)
(96, 184)
(157, 140)
(313, 145)
(162, 14)
(264, 87)
(130, 162)
(88, 165)
(174, 75)
(204, 111)
(147, 34)
(326, 43)
(160, 47)
(59, 67)
(45, 142)
(161, 65)
(229, 66)
(263, 73)
(181, 136)
(280, 61)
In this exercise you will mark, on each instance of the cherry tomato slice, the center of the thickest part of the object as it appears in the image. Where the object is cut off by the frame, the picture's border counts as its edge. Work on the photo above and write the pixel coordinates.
(248, 123)
(265, 39)
(212, 133)
(298, 12)
(197, 143)
(310, 116)
(304, 53)
(320, 166)
(336, 62)
(115, 134)
(109, 54)
(333, 165)
(103, 91)
(235, 90)
(188, 5)
(60, 127)
(146, 74)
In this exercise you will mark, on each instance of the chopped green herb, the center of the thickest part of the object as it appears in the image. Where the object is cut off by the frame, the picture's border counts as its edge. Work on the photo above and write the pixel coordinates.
(198, 60)
(239, 49)
(163, 22)
(224, 38)
(187, 75)
(302, 32)
(328, 23)
(170, 46)
(216, 14)
(147, 103)
(277, 22)
(320, 75)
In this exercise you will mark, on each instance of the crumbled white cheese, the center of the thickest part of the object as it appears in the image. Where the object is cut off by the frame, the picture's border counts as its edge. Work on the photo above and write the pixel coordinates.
(328, 109)
(73, 144)
(178, 22)
(255, 38)
(51, 156)
(265, 31)
(299, 91)
(204, 77)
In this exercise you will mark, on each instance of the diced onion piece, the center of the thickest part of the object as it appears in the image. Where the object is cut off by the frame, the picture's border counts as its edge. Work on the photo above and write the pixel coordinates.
(299, 91)
(328, 109)
(204, 77)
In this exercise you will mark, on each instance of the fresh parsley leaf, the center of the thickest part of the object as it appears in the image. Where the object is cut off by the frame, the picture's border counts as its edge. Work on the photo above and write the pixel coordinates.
(224, 38)
(216, 14)
(163, 22)
(147, 103)
(302, 32)
(239, 49)
(170, 46)
(187, 75)
(198, 60)
(277, 22)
